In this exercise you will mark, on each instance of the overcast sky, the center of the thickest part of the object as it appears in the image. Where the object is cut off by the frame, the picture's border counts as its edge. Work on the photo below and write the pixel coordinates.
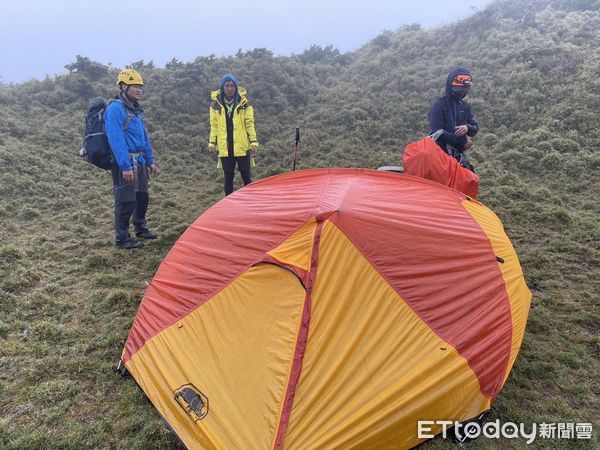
(39, 37)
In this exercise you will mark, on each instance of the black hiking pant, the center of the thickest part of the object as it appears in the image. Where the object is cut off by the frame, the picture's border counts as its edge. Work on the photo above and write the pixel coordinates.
(131, 200)
(243, 163)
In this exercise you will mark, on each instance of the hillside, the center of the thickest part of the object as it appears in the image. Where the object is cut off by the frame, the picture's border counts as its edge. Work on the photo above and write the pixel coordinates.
(68, 297)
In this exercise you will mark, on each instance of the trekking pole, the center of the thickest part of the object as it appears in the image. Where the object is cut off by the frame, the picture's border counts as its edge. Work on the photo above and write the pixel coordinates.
(296, 148)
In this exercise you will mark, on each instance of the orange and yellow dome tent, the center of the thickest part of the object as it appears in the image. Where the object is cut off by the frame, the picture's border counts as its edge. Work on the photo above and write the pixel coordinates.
(330, 308)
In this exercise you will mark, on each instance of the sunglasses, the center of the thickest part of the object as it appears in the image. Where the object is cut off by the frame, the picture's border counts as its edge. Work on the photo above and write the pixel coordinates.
(462, 80)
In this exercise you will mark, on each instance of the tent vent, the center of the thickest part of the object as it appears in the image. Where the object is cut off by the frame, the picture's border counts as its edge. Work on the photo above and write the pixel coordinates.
(194, 402)
(500, 260)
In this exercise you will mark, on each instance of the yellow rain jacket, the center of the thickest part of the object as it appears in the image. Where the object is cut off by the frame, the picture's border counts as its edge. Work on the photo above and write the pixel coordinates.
(244, 134)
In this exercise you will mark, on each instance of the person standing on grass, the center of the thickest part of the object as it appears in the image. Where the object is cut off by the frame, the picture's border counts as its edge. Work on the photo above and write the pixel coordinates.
(133, 159)
(232, 134)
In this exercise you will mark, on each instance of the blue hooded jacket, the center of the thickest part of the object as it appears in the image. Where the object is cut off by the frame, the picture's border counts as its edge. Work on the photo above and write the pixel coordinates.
(132, 140)
(450, 111)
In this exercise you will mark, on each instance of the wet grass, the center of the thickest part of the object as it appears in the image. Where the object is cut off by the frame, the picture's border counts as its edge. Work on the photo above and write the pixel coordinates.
(69, 298)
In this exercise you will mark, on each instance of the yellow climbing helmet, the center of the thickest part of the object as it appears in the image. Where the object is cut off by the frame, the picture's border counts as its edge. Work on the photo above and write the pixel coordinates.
(129, 76)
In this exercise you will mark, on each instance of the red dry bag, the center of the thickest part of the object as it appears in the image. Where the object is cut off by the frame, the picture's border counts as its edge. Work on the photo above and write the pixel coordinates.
(426, 159)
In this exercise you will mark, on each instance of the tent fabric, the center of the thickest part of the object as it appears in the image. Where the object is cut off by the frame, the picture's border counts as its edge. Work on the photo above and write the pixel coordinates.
(330, 308)
(516, 291)
(426, 159)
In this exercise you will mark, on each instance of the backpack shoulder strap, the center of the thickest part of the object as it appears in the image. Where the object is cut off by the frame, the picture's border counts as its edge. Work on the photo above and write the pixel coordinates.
(128, 120)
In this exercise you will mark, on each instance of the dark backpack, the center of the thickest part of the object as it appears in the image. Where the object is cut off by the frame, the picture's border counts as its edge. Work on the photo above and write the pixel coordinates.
(96, 149)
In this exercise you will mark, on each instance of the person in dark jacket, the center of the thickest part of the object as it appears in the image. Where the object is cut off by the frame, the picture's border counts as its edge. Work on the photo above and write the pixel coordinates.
(453, 116)
(133, 159)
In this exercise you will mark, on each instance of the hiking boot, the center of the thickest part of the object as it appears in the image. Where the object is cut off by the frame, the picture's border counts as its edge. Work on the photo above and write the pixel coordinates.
(146, 234)
(130, 244)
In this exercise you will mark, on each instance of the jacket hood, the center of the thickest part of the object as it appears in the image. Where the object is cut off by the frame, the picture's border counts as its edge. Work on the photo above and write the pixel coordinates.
(456, 71)
(216, 95)
(230, 77)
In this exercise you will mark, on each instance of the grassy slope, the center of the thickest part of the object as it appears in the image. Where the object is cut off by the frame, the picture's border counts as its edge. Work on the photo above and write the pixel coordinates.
(68, 297)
